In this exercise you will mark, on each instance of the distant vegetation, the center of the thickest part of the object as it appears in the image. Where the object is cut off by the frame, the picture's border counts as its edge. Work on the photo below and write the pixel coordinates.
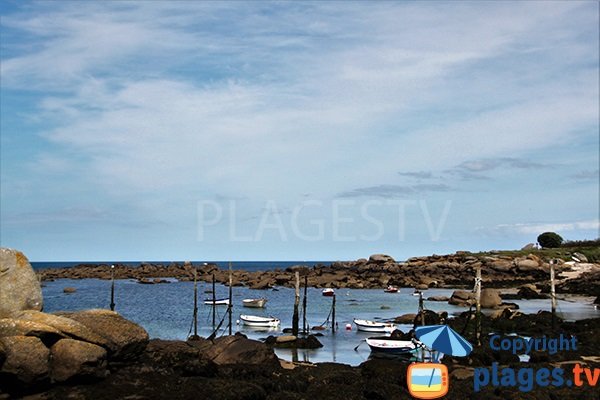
(549, 240)
(581, 243)
(589, 248)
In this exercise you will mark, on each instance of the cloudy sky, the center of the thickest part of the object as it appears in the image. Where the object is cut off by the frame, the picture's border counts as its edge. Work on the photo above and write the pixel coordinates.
(153, 130)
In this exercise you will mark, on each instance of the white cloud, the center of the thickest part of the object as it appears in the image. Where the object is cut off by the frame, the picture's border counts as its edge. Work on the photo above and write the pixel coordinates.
(197, 98)
(538, 228)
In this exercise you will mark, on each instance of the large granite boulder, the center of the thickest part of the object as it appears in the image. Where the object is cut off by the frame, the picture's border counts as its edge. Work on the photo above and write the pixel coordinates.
(27, 359)
(462, 298)
(238, 349)
(67, 326)
(381, 259)
(490, 298)
(72, 358)
(19, 286)
(18, 327)
(125, 339)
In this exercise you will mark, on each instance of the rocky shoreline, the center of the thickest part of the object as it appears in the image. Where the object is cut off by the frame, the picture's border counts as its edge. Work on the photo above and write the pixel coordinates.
(448, 271)
(234, 367)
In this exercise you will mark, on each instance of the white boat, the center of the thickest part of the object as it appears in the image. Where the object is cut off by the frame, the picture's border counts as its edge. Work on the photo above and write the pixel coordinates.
(328, 292)
(372, 326)
(218, 302)
(266, 322)
(254, 303)
(391, 346)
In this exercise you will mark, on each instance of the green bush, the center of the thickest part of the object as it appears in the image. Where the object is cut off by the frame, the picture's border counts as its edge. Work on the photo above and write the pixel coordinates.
(549, 240)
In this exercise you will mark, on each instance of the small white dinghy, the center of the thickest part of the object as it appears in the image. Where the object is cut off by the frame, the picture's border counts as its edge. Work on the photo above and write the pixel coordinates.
(218, 302)
(372, 326)
(391, 346)
(254, 303)
(265, 322)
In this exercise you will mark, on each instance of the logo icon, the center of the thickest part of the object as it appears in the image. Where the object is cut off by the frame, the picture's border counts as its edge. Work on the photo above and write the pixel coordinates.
(427, 380)
(430, 380)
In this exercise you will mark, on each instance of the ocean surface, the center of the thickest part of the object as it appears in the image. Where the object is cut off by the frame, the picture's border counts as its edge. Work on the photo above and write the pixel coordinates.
(165, 310)
(245, 265)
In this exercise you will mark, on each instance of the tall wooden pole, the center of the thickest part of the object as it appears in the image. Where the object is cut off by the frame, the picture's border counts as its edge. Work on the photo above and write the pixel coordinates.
(296, 303)
(478, 303)
(230, 309)
(333, 315)
(214, 300)
(304, 327)
(112, 288)
(195, 303)
(552, 294)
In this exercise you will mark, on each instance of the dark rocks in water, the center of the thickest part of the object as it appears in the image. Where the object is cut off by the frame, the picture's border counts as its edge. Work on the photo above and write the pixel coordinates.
(185, 358)
(528, 293)
(438, 298)
(462, 298)
(292, 342)
(405, 319)
(69, 289)
(238, 349)
(490, 298)
(430, 317)
(398, 334)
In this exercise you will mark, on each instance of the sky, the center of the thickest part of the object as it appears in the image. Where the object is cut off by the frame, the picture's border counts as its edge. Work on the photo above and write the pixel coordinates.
(152, 130)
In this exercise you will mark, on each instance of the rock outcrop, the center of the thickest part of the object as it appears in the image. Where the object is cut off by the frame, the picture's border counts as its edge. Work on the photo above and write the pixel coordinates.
(124, 339)
(19, 286)
(490, 298)
(73, 358)
(238, 349)
(27, 359)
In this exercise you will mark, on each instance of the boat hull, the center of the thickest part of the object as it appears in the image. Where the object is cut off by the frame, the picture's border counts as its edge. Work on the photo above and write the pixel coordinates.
(373, 327)
(254, 303)
(259, 322)
(387, 346)
(218, 302)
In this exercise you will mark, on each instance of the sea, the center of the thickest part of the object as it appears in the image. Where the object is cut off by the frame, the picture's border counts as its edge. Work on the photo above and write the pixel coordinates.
(166, 310)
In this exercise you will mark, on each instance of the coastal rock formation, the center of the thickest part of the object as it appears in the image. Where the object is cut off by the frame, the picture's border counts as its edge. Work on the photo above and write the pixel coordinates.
(70, 358)
(18, 327)
(490, 298)
(498, 270)
(462, 298)
(238, 349)
(124, 339)
(27, 358)
(19, 285)
(66, 326)
(180, 357)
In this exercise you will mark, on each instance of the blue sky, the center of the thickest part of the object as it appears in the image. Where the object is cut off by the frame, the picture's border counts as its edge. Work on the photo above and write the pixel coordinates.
(153, 130)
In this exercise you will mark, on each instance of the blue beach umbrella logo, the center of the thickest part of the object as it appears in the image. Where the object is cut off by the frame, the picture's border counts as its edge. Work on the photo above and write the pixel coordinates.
(443, 339)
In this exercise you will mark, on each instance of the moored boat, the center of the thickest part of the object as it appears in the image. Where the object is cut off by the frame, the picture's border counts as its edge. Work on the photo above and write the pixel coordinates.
(391, 289)
(218, 302)
(372, 326)
(391, 346)
(253, 320)
(254, 303)
(328, 292)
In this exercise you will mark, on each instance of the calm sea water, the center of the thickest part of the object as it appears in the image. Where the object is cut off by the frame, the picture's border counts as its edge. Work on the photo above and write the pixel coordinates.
(165, 310)
(245, 265)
